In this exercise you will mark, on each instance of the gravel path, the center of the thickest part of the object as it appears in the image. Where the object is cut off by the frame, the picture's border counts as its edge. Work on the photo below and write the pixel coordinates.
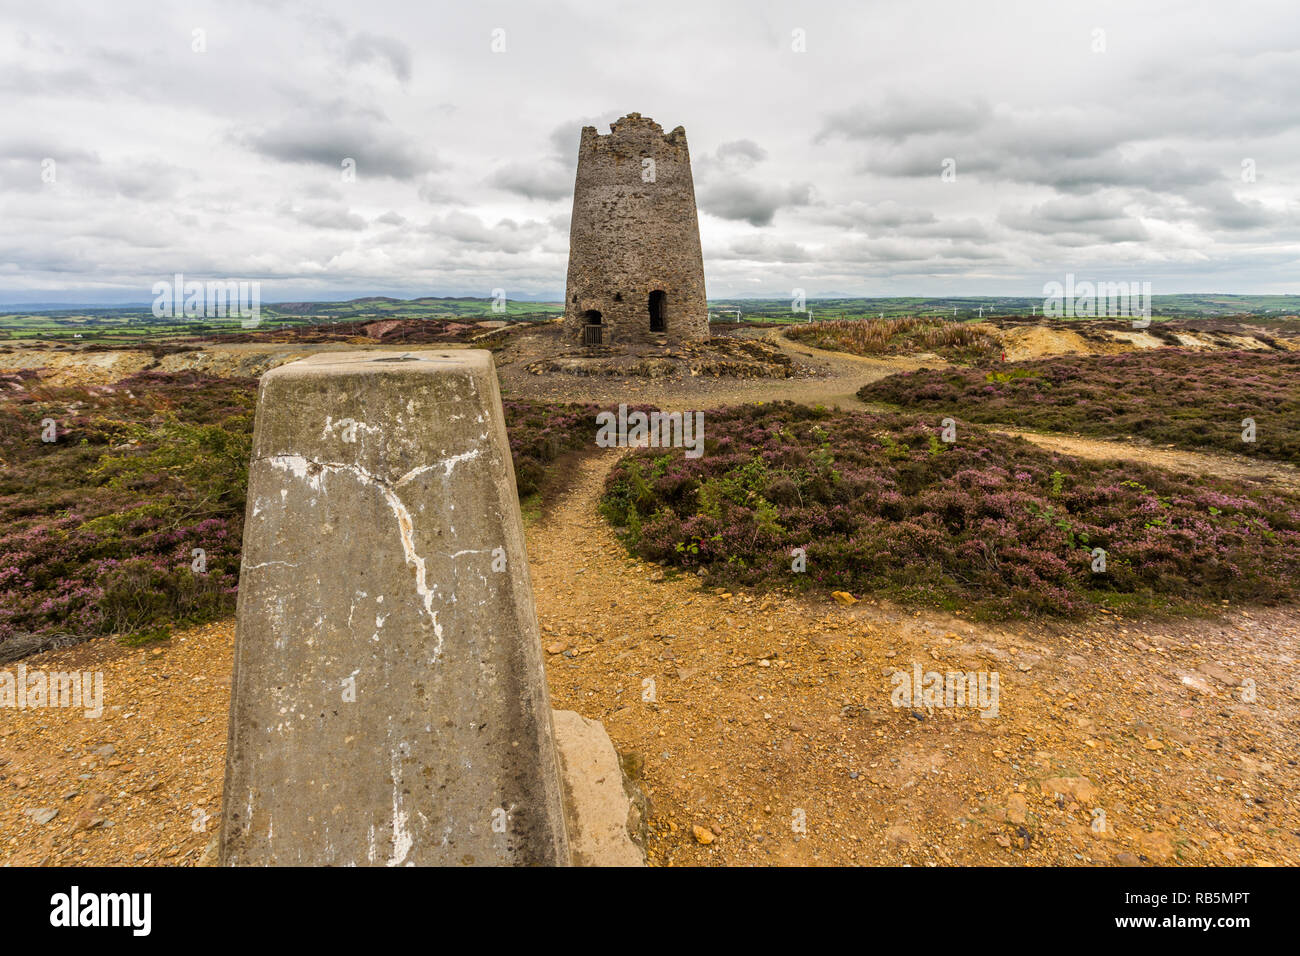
(1219, 465)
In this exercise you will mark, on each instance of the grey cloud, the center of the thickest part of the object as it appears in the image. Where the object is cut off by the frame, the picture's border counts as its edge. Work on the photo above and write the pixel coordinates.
(743, 150)
(1219, 209)
(1069, 226)
(750, 201)
(541, 179)
(932, 252)
(1074, 221)
(377, 147)
(322, 216)
(506, 236)
(34, 151)
(1161, 171)
(1228, 94)
(1021, 159)
(1066, 211)
(564, 137)
(369, 48)
(1109, 161)
(19, 80)
(946, 229)
(898, 118)
(762, 249)
(320, 190)
(435, 191)
(862, 215)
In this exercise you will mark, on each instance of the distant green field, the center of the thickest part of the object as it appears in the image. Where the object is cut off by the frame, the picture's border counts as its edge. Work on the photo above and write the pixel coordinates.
(108, 326)
(968, 308)
(111, 325)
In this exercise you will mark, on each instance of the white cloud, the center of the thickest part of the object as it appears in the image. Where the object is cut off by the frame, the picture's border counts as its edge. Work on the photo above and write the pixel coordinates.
(819, 170)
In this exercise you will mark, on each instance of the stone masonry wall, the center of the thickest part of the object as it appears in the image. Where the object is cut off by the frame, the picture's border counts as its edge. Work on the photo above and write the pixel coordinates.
(629, 237)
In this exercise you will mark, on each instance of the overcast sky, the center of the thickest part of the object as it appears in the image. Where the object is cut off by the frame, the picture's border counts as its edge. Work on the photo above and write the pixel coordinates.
(1113, 155)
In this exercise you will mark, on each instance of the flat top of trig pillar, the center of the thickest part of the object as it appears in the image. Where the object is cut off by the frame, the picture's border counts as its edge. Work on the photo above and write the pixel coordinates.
(372, 361)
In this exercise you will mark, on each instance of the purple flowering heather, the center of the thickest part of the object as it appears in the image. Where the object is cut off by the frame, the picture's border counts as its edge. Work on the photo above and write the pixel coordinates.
(1192, 399)
(882, 506)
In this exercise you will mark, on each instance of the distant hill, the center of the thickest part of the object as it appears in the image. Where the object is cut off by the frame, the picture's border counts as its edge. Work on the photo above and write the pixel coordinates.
(119, 326)
(129, 324)
(1197, 305)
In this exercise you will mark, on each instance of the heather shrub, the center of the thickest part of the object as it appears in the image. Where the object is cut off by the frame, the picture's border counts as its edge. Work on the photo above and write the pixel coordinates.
(98, 530)
(955, 341)
(540, 433)
(992, 524)
(1192, 399)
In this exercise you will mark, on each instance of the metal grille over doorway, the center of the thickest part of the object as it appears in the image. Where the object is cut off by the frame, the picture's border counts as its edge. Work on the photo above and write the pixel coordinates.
(592, 329)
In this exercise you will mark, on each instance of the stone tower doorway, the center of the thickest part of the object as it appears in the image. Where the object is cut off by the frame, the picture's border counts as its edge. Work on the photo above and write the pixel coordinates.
(657, 300)
(591, 329)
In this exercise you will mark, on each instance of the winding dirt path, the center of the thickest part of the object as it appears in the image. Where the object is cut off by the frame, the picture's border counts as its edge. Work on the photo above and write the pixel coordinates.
(748, 714)
(830, 378)
(1202, 463)
(848, 373)
(851, 372)
(842, 374)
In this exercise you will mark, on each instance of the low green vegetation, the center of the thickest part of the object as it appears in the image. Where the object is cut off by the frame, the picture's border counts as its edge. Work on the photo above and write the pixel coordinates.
(101, 529)
(126, 325)
(1266, 308)
(881, 505)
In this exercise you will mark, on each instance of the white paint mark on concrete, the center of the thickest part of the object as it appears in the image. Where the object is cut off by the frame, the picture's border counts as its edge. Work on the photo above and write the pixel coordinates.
(264, 564)
(469, 551)
(447, 464)
(300, 468)
(402, 840)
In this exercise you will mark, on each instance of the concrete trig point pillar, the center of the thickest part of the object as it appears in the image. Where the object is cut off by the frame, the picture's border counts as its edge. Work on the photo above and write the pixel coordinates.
(389, 704)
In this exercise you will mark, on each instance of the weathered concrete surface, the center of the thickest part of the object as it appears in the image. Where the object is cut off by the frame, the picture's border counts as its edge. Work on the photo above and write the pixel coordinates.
(606, 812)
(389, 704)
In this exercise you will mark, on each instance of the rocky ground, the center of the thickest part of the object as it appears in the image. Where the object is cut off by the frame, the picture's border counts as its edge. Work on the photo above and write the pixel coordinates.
(761, 726)
(140, 785)
(734, 363)
(732, 354)
(762, 729)
(1021, 341)
(775, 710)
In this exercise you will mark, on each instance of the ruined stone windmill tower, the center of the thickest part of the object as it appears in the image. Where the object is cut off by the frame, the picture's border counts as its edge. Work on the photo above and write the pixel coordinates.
(636, 272)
